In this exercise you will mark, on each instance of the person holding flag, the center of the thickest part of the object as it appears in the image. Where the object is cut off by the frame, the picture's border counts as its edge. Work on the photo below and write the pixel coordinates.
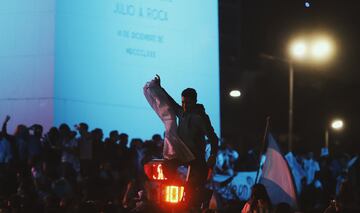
(276, 175)
(259, 200)
(185, 142)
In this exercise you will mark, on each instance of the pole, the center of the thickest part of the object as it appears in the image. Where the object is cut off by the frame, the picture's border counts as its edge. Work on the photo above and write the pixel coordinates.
(291, 96)
(262, 148)
(327, 138)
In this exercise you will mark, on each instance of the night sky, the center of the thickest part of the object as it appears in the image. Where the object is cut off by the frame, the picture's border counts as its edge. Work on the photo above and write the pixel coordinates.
(250, 28)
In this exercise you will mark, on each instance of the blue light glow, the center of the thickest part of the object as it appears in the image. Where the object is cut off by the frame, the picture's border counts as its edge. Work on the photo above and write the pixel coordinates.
(107, 50)
(27, 62)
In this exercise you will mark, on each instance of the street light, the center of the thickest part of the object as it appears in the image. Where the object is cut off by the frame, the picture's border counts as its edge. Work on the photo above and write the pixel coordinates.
(298, 49)
(235, 93)
(337, 125)
(315, 49)
(321, 49)
(308, 49)
(305, 49)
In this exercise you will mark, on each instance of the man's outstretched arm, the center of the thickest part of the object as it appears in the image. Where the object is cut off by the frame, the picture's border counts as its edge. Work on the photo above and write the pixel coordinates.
(4, 126)
(173, 104)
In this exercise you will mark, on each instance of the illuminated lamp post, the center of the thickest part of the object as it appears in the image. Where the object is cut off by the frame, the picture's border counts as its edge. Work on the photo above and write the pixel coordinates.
(315, 50)
(337, 125)
(235, 93)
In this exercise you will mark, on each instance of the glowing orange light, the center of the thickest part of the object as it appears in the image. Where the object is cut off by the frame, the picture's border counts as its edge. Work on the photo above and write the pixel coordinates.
(154, 171)
(174, 194)
(158, 175)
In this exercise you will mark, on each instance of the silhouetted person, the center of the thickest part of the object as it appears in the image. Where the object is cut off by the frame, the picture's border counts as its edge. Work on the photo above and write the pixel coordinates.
(98, 146)
(111, 149)
(18, 143)
(308, 196)
(85, 149)
(124, 166)
(283, 208)
(159, 143)
(193, 126)
(123, 152)
(6, 152)
(70, 153)
(35, 143)
(52, 151)
(259, 200)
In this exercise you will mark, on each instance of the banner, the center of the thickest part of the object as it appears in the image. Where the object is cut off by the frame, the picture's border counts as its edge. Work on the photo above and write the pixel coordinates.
(236, 187)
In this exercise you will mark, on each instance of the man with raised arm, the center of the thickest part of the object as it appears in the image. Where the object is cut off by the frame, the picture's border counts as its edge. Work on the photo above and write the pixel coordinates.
(193, 128)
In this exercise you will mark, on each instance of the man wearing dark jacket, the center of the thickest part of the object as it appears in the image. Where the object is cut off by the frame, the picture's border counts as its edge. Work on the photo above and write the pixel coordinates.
(193, 127)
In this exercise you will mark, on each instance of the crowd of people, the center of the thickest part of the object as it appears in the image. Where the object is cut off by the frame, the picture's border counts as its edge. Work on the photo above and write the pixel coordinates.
(80, 170)
(329, 183)
(69, 170)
